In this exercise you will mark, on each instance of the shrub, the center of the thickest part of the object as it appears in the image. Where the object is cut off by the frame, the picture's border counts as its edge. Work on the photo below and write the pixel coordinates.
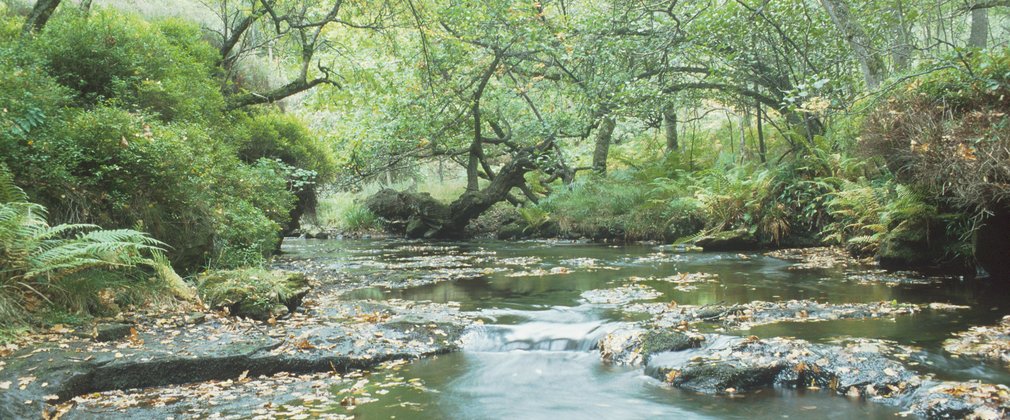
(359, 219)
(886, 219)
(606, 208)
(284, 137)
(164, 69)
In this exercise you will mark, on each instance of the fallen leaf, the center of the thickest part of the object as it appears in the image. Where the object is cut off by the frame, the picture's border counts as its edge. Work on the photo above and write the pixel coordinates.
(304, 344)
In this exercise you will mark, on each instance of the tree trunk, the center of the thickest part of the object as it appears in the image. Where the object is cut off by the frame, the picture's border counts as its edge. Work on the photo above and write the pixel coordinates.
(39, 15)
(979, 28)
(603, 137)
(86, 6)
(670, 127)
(901, 53)
(473, 203)
(762, 149)
(869, 60)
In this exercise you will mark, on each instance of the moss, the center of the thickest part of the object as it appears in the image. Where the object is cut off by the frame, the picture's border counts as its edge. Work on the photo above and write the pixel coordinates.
(658, 341)
(253, 293)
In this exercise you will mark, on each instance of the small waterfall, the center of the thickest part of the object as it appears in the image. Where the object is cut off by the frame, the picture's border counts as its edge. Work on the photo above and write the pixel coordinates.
(557, 329)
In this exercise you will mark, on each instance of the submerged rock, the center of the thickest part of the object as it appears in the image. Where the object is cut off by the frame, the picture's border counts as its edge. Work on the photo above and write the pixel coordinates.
(621, 295)
(816, 258)
(986, 343)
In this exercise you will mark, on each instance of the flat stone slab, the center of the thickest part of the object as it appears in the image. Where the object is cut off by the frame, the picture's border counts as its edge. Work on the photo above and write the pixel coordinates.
(327, 395)
(336, 337)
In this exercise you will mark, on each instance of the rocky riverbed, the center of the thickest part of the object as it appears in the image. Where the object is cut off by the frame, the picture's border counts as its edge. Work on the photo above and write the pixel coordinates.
(651, 310)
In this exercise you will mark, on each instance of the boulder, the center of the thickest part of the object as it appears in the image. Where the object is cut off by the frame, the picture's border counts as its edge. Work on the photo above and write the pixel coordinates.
(992, 246)
(417, 215)
(634, 346)
(730, 240)
(253, 293)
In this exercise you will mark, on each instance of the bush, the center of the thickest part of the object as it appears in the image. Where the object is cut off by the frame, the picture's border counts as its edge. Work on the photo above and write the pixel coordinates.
(118, 122)
(610, 208)
(107, 57)
(284, 137)
(892, 221)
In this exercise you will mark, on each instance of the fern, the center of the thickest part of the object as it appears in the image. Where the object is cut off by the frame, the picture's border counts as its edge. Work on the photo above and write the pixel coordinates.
(71, 263)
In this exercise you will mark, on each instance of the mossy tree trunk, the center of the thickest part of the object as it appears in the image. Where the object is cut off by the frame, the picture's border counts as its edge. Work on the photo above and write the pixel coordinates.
(604, 135)
(39, 15)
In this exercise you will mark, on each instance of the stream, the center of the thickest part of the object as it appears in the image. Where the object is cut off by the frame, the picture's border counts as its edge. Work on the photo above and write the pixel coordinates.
(534, 351)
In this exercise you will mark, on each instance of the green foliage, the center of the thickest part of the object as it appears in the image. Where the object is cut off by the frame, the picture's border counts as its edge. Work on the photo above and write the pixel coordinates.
(533, 217)
(164, 69)
(360, 219)
(606, 208)
(866, 216)
(66, 265)
(284, 137)
(247, 239)
(114, 121)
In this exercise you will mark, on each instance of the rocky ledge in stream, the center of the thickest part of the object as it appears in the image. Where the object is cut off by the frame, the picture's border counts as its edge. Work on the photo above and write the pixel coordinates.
(863, 368)
(987, 343)
(744, 316)
(165, 349)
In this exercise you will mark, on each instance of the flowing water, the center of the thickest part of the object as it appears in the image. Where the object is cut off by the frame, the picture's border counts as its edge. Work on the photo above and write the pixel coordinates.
(534, 356)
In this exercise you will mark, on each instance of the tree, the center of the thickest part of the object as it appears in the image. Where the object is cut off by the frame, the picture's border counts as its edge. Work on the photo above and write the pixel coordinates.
(256, 27)
(872, 64)
(39, 15)
(979, 28)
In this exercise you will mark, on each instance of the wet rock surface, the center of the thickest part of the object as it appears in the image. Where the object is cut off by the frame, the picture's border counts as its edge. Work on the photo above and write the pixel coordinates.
(634, 346)
(734, 365)
(990, 343)
(959, 400)
(327, 395)
(862, 369)
(168, 349)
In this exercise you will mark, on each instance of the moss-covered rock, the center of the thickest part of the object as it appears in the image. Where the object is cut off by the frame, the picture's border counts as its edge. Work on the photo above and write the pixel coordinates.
(254, 293)
(730, 240)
